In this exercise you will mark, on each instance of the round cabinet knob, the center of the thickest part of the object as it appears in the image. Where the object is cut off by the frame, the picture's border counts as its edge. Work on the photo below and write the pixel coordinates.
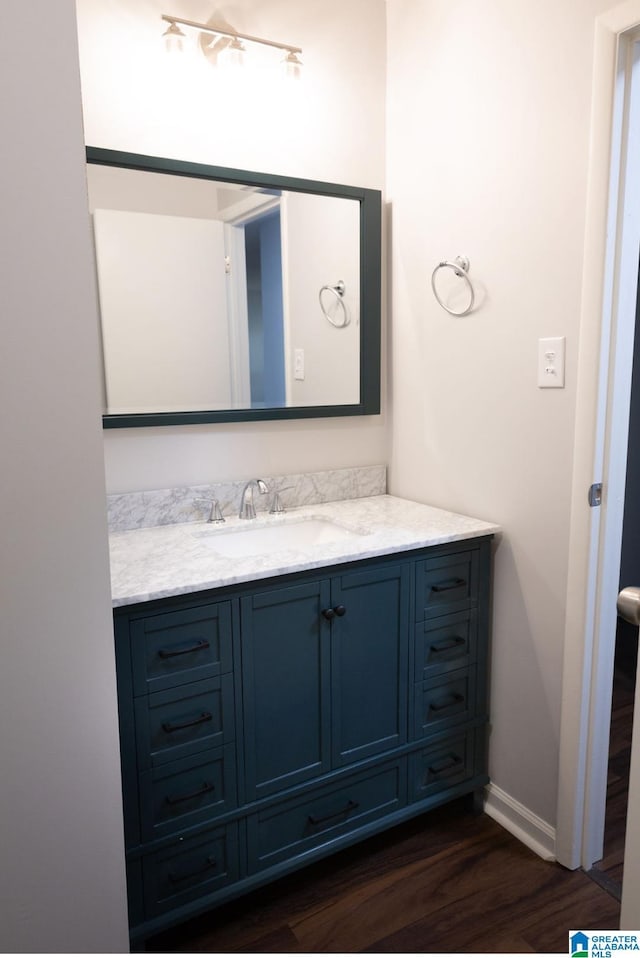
(339, 610)
(328, 614)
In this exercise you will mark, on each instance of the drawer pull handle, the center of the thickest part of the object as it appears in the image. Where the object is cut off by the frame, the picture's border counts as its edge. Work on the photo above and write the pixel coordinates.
(446, 765)
(171, 653)
(208, 865)
(178, 726)
(453, 700)
(448, 585)
(176, 799)
(439, 648)
(329, 614)
(349, 807)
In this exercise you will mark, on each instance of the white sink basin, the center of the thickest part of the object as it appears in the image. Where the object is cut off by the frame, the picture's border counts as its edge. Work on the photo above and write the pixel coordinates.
(250, 540)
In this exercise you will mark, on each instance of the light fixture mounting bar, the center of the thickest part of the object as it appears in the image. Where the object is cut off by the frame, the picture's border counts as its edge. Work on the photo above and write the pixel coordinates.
(219, 31)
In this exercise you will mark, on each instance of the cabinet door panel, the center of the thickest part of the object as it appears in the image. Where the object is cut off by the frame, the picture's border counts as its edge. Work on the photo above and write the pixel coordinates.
(295, 827)
(369, 662)
(446, 643)
(442, 765)
(171, 648)
(446, 583)
(286, 673)
(183, 793)
(443, 702)
(188, 870)
(184, 721)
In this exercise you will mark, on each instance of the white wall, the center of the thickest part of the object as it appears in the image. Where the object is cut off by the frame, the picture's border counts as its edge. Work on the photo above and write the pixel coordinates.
(488, 122)
(321, 244)
(62, 885)
(163, 297)
(330, 126)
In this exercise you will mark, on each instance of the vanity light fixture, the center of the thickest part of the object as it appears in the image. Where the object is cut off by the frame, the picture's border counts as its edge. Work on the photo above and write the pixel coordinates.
(234, 49)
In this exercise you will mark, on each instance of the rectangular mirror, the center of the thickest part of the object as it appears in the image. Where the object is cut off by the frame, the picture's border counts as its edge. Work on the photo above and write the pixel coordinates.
(228, 296)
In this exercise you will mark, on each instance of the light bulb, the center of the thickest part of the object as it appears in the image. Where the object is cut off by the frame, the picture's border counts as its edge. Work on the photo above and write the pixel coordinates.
(292, 65)
(234, 53)
(174, 39)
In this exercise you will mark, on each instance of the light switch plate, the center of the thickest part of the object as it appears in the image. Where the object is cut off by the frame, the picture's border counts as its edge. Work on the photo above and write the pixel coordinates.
(551, 362)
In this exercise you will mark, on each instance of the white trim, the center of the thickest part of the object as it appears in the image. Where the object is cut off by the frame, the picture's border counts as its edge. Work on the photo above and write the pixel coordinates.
(586, 682)
(237, 317)
(521, 822)
(616, 401)
(249, 206)
(285, 240)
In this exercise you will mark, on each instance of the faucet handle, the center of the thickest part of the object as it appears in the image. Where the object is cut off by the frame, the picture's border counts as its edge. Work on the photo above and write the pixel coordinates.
(215, 515)
(276, 502)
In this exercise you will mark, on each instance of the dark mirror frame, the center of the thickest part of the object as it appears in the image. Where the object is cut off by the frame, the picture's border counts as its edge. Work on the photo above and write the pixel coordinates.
(370, 290)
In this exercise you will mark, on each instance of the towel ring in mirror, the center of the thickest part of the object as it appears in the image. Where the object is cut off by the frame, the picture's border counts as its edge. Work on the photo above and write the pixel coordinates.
(338, 291)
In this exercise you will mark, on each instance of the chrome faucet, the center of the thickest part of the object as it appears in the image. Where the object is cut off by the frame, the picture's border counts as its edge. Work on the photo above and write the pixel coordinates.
(247, 507)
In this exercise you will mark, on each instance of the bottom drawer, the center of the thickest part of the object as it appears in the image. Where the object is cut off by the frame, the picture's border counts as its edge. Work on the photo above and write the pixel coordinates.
(294, 827)
(190, 869)
(441, 765)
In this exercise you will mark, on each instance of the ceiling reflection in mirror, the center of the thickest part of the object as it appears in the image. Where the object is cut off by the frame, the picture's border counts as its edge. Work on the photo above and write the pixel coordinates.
(222, 297)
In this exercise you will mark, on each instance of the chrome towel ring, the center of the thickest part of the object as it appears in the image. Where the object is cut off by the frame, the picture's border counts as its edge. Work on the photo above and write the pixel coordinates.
(460, 266)
(338, 291)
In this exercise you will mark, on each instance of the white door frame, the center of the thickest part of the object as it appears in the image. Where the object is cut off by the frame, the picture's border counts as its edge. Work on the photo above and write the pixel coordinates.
(607, 324)
(237, 316)
(249, 207)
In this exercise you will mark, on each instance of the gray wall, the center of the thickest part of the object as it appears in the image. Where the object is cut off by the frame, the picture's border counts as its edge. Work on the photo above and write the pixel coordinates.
(62, 887)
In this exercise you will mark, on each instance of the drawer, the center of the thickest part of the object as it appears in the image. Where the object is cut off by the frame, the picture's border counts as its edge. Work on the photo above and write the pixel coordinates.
(187, 792)
(446, 643)
(448, 700)
(172, 648)
(292, 828)
(190, 869)
(447, 583)
(441, 766)
(180, 722)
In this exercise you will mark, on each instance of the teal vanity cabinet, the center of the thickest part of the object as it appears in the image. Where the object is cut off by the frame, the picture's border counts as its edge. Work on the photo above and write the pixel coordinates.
(268, 724)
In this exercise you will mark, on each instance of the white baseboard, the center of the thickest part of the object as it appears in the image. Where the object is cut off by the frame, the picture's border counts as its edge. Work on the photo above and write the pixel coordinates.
(528, 828)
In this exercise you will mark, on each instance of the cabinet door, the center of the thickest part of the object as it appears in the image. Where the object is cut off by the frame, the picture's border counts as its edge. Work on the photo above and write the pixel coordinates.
(286, 673)
(370, 640)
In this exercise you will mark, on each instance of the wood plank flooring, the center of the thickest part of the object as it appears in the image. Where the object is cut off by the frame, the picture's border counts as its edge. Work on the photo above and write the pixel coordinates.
(608, 871)
(449, 881)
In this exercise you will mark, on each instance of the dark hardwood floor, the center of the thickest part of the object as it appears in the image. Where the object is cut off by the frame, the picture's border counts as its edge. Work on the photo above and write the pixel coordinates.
(449, 881)
(608, 871)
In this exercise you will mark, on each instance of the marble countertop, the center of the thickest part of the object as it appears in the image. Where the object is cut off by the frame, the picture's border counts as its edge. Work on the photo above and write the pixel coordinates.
(172, 560)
